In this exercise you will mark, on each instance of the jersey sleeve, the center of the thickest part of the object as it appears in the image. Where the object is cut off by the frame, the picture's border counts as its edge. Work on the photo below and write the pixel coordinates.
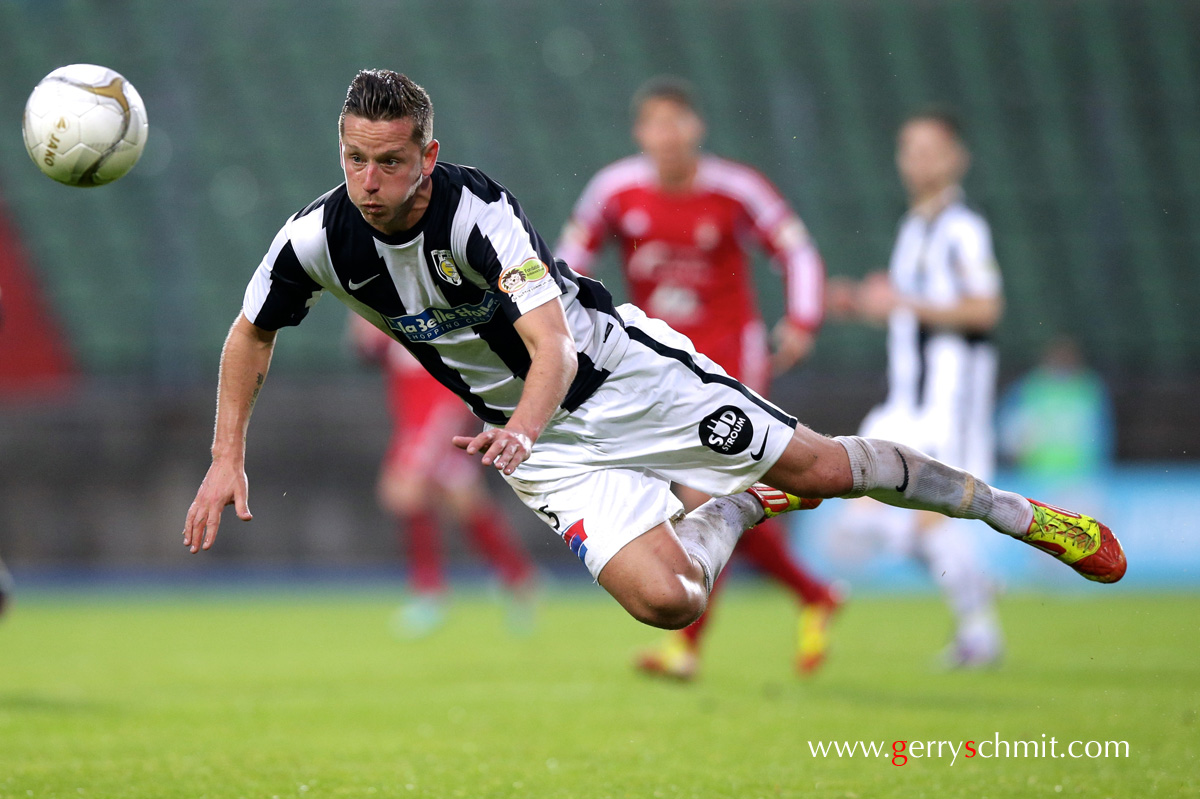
(586, 231)
(785, 237)
(972, 258)
(280, 292)
(504, 248)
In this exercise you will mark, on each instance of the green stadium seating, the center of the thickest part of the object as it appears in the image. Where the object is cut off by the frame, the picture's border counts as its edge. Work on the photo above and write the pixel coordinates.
(1082, 115)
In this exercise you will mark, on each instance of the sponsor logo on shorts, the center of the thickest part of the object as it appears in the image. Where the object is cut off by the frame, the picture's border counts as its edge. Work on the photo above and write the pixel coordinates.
(515, 278)
(726, 430)
(758, 456)
(434, 323)
(447, 270)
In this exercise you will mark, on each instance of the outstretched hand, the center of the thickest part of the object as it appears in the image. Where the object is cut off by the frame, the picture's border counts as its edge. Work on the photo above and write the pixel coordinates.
(504, 449)
(793, 344)
(225, 484)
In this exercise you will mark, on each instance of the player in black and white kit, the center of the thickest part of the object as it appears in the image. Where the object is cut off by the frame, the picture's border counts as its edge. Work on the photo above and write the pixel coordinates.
(592, 411)
(941, 298)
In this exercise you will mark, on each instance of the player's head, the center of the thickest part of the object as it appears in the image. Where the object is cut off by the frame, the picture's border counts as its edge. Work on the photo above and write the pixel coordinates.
(930, 152)
(667, 124)
(381, 95)
(387, 146)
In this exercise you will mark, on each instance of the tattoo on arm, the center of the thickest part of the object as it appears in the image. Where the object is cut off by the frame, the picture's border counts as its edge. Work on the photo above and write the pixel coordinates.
(258, 384)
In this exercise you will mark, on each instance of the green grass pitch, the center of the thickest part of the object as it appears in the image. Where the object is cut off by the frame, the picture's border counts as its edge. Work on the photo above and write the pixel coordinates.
(195, 693)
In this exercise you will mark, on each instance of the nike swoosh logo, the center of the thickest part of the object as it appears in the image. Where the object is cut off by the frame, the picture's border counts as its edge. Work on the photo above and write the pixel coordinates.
(356, 286)
(904, 463)
(761, 450)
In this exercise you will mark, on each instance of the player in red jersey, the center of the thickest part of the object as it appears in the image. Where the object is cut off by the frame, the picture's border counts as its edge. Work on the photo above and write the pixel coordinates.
(420, 475)
(683, 220)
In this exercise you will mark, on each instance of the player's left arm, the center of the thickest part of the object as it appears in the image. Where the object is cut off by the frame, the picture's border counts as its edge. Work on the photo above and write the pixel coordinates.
(552, 367)
(786, 239)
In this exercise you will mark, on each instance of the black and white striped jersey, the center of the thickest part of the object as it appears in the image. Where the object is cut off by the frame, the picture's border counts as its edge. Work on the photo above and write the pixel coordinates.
(449, 289)
(938, 262)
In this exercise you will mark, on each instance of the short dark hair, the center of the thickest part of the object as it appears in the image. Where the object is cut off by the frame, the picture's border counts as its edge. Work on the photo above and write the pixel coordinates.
(381, 95)
(941, 115)
(666, 87)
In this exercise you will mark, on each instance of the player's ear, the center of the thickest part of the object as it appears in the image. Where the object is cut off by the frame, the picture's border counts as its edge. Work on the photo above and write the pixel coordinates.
(429, 157)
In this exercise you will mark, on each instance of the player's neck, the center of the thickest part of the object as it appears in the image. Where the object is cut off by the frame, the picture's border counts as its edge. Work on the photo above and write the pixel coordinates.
(931, 203)
(677, 178)
(413, 211)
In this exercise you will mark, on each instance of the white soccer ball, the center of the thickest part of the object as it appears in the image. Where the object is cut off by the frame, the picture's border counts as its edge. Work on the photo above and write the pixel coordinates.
(85, 125)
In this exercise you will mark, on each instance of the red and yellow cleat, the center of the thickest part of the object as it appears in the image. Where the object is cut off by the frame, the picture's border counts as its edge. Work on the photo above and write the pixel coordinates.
(675, 658)
(812, 640)
(1081, 542)
(774, 501)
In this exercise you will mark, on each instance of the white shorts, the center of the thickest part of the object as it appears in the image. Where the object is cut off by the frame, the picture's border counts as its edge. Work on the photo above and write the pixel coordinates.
(602, 475)
(953, 417)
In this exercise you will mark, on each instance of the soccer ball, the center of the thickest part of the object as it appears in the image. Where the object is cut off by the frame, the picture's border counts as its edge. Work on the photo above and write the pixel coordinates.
(85, 125)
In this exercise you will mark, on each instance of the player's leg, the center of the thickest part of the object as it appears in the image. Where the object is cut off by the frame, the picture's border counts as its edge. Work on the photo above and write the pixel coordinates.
(475, 510)
(952, 560)
(895, 474)
(408, 497)
(766, 547)
(956, 426)
(408, 492)
(664, 578)
(633, 536)
(678, 654)
(656, 580)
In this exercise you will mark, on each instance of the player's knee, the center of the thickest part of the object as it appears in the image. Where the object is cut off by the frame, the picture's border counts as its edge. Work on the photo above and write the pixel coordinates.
(670, 604)
(402, 497)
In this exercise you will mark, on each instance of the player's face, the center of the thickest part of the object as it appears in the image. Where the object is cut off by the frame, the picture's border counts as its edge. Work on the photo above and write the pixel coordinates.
(930, 158)
(668, 132)
(385, 169)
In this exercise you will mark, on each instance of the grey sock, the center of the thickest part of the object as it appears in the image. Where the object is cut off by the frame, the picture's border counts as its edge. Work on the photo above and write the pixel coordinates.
(711, 531)
(899, 475)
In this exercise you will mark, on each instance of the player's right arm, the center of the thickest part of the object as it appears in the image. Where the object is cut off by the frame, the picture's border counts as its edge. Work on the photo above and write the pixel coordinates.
(589, 227)
(280, 294)
(244, 362)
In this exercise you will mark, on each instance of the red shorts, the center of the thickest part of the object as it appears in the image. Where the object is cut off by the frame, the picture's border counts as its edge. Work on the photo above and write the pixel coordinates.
(425, 416)
(743, 354)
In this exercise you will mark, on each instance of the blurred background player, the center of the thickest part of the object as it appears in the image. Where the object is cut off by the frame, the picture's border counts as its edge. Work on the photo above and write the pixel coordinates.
(1056, 423)
(683, 220)
(423, 474)
(1056, 427)
(941, 298)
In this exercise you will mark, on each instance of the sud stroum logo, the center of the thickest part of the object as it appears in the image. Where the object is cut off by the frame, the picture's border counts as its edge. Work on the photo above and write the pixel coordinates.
(726, 430)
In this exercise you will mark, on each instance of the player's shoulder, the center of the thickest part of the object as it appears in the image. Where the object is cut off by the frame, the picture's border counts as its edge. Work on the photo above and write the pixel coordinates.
(630, 172)
(455, 178)
(734, 179)
(964, 219)
(327, 200)
(313, 218)
(311, 222)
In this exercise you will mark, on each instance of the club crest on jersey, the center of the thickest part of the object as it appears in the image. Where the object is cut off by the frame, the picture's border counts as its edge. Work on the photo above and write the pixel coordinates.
(447, 270)
(726, 430)
(433, 323)
(515, 278)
